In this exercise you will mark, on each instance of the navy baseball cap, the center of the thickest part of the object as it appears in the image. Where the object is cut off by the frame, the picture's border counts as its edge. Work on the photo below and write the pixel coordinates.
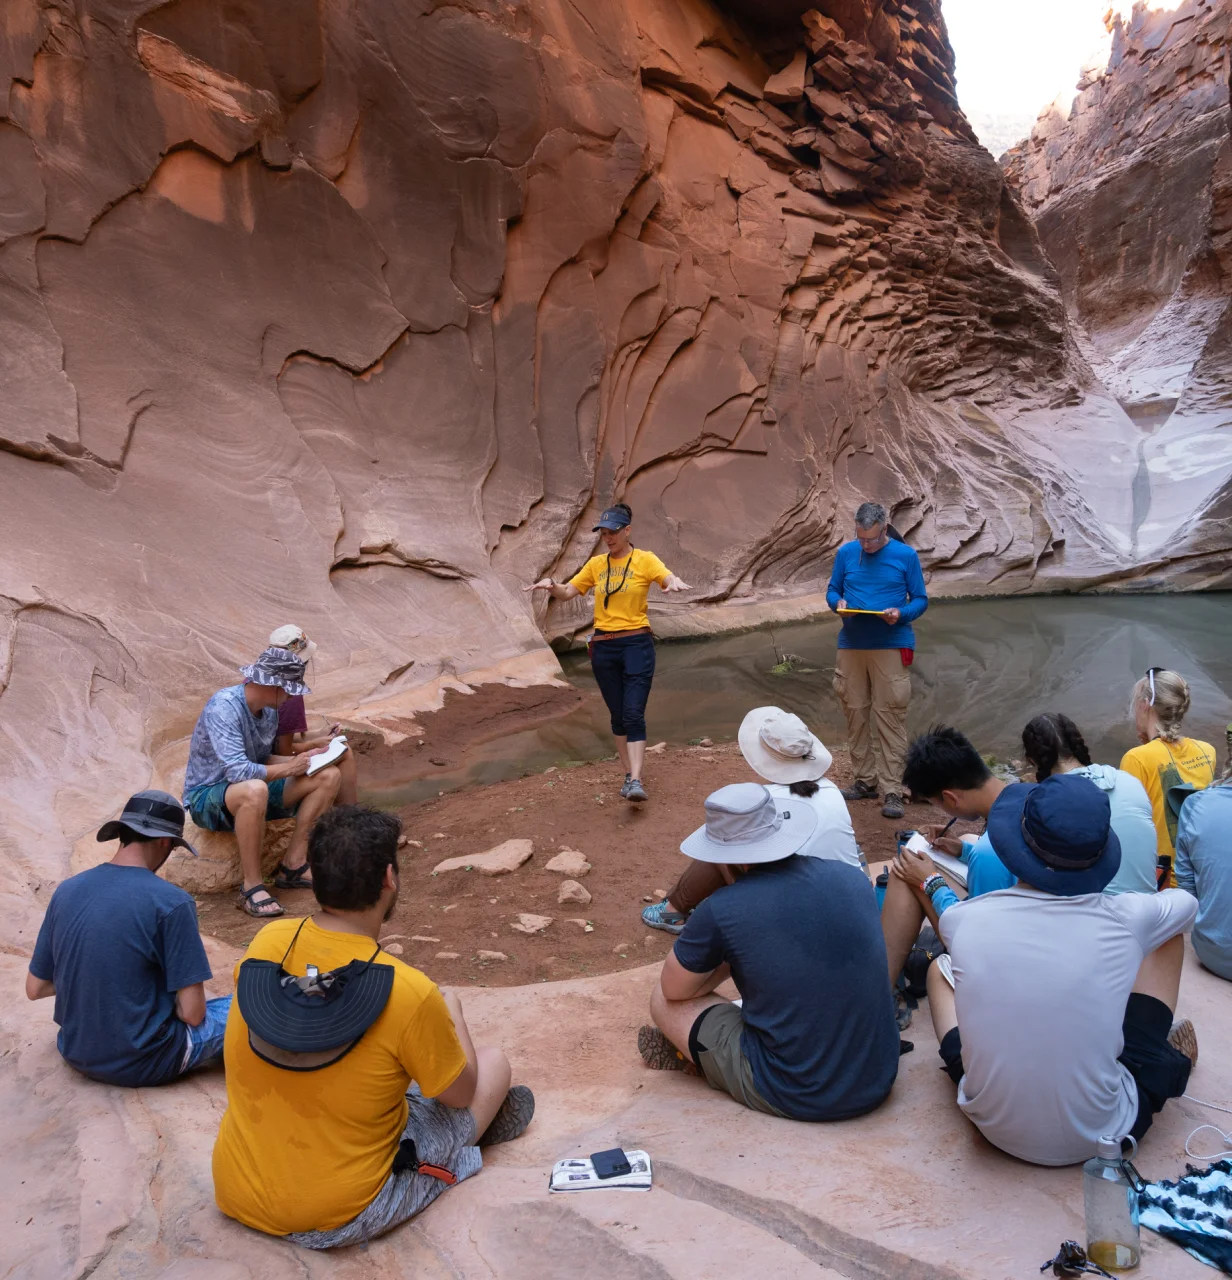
(612, 519)
(1056, 835)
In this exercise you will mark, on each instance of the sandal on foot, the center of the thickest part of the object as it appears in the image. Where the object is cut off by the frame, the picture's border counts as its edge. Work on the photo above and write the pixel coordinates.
(260, 910)
(662, 915)
(511, 1120)
(292, 877)
(658, 1052)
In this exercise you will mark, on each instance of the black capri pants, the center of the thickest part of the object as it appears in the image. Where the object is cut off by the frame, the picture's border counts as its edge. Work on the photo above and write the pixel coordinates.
(624, 668)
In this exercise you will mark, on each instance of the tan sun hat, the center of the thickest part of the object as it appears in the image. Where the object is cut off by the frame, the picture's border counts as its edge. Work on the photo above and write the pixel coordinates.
(293, 638)
(780, 747)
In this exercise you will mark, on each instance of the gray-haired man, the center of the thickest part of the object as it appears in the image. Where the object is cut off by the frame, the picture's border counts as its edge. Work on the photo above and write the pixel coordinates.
(877, 587)
(234, 782)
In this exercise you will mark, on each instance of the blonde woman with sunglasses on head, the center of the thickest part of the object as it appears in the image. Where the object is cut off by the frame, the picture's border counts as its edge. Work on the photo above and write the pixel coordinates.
(1168, 765)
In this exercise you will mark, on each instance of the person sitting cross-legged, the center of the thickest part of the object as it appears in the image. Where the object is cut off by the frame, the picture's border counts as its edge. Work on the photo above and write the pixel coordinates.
(815, 1038)
(354, 1092)
(120, 951)
(1058, 1028)
(234, 781)
(1204, 868)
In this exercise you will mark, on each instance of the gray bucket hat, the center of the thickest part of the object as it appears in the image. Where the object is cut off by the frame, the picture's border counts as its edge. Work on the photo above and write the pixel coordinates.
(150, 813)
(278, 667)
(745, 824)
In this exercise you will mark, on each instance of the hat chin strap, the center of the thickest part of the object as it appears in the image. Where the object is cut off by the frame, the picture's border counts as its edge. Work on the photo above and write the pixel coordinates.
(1050, 859)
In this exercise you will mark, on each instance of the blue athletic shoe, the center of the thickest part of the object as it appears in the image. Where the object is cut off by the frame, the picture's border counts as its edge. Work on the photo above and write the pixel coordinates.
(662, 915)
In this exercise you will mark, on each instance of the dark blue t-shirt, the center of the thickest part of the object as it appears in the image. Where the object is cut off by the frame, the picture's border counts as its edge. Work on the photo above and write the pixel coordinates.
(803, 938)
(118, 942)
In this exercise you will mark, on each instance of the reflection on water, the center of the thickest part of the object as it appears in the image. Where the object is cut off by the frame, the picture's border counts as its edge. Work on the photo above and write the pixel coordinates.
(986, 666)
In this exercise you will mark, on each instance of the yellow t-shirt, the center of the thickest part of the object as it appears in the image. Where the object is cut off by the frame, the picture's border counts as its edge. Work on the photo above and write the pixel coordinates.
(626, 608)
(1159, 765)
(304, 1151)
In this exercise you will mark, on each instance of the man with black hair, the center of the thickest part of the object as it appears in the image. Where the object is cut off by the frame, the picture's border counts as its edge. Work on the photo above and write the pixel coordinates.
(944, 769)
(120, 951)
(878, 587)
(337, 1148)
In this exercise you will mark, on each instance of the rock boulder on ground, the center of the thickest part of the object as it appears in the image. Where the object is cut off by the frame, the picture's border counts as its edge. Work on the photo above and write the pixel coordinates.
(500, 861)
(529, 923)
(568, 862)
(571, 891)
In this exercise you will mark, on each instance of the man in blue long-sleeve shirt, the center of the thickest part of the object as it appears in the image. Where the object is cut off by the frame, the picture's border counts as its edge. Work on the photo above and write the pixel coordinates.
(881, 575)
(234, 782)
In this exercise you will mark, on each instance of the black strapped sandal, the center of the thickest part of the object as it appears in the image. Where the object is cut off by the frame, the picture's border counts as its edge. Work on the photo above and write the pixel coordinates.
(291, 877)
(255, 909)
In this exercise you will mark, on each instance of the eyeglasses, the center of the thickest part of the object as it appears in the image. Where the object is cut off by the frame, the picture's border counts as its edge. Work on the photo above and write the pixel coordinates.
(1150, 675)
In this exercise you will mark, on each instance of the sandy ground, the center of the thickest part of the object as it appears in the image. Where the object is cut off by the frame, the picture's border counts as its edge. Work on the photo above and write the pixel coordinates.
(633, 851)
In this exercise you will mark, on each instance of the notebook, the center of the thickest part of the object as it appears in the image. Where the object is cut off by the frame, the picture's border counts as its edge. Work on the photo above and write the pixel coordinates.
(953, 867)
(331, 753)
(578, 1174)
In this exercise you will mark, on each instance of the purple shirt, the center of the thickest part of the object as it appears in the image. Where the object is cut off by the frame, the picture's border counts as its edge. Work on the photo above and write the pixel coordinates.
(291, 716)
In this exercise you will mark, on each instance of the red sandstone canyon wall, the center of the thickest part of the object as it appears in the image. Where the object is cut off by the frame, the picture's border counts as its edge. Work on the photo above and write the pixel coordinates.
(354, 314)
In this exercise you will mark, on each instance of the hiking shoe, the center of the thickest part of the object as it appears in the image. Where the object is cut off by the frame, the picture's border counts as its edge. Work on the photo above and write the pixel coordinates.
(624, 790)
(633, 790)
(662, 915)
(1184, 1038)
(902, 1010)
(893, 807)
(859, 791)
(658, 1052)
(511, 1120)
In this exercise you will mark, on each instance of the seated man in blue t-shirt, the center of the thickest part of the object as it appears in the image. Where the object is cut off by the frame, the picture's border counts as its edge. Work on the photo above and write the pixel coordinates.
(944, 769)
(120, 951)
(815, 1038)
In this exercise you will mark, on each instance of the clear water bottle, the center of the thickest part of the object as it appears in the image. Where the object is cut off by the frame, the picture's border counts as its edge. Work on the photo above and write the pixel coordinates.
(1110, 1197)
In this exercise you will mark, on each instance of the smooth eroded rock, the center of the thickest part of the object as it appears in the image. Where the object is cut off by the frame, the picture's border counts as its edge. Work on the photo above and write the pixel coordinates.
(500, 861)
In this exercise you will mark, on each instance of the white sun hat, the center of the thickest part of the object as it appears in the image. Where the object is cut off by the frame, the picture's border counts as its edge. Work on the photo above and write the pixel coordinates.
(780, 747)
(293, 638)
(745, 824)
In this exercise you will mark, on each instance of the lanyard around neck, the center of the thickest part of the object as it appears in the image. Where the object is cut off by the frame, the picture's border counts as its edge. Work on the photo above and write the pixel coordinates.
(610, 592)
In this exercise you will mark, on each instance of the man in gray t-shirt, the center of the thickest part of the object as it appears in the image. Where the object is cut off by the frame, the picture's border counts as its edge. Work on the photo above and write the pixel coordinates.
(1058, 1028)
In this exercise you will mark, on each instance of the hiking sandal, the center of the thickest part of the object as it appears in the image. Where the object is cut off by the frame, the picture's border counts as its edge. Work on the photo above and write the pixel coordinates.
(291, 877)
(510, 1122)
(260, 910)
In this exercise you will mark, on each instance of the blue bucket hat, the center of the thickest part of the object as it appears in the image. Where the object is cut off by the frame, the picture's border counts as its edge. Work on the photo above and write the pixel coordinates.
(1056, 835)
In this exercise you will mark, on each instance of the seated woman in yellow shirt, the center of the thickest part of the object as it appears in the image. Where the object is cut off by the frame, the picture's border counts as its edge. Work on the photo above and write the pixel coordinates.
(622, 652)
(1166, 759)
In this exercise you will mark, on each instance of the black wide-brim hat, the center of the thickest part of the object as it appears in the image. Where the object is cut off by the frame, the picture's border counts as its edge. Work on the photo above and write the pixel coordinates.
(1068, 821)
(150, 813)
(310, 1031)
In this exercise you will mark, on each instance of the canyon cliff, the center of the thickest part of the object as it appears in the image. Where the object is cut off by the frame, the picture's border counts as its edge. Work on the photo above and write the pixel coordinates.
(354, 315)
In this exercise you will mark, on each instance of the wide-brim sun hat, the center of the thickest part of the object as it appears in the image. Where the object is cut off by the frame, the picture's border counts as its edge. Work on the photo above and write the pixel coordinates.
(1056, 835)
(150, 813)
(746, 825)
(780, 747)
(278, 667)
(293, 638)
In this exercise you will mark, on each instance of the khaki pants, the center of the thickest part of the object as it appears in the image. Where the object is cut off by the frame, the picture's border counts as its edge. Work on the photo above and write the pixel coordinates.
(874, 690)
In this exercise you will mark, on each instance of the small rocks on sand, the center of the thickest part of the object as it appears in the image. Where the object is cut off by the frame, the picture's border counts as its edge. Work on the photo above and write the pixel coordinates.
(394, 948)
(657, 750)
(500, 861)
(491, 955)
(568, 862)
(527, 923)
(584, 925)
(621, 948)
(571, 891)
(419, 937)
(446, 955)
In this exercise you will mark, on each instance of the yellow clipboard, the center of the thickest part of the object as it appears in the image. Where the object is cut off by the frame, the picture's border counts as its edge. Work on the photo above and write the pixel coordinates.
(876, 613)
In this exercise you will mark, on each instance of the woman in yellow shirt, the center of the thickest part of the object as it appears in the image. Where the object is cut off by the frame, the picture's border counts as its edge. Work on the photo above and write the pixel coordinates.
(1166, 759)
(622, 652)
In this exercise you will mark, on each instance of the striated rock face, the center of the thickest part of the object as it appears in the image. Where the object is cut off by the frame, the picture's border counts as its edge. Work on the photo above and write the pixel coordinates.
(1132, 197)
(354, 314)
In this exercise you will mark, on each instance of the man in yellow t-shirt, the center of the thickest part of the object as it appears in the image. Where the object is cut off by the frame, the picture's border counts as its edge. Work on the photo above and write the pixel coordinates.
(334, 1154)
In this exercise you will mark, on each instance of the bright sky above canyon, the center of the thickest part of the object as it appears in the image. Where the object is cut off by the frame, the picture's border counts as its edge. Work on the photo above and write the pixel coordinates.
(1015, 58)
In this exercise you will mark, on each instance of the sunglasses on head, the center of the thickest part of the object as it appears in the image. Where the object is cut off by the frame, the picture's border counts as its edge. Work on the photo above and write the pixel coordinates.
(1151, 672)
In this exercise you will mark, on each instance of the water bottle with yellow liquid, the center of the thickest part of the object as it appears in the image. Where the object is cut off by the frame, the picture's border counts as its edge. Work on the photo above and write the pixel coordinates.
(1110, 1186)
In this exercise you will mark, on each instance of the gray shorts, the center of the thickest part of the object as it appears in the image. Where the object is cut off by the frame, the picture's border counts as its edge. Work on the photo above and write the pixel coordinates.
(443, 1136)
(714, 1044)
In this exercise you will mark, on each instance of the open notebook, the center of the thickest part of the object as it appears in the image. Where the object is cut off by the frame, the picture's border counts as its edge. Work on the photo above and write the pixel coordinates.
(331, 753)
(953, 867)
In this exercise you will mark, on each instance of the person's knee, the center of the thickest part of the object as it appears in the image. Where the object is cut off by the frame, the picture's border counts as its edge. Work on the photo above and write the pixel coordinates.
(494, 1066)
(329, 780)
(252, 794)
(658, 1005)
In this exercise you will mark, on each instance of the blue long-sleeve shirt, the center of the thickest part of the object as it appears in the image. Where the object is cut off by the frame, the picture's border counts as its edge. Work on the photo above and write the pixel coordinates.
(888, 579)
(986, 873)
(229, 743)
(1204, 868)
